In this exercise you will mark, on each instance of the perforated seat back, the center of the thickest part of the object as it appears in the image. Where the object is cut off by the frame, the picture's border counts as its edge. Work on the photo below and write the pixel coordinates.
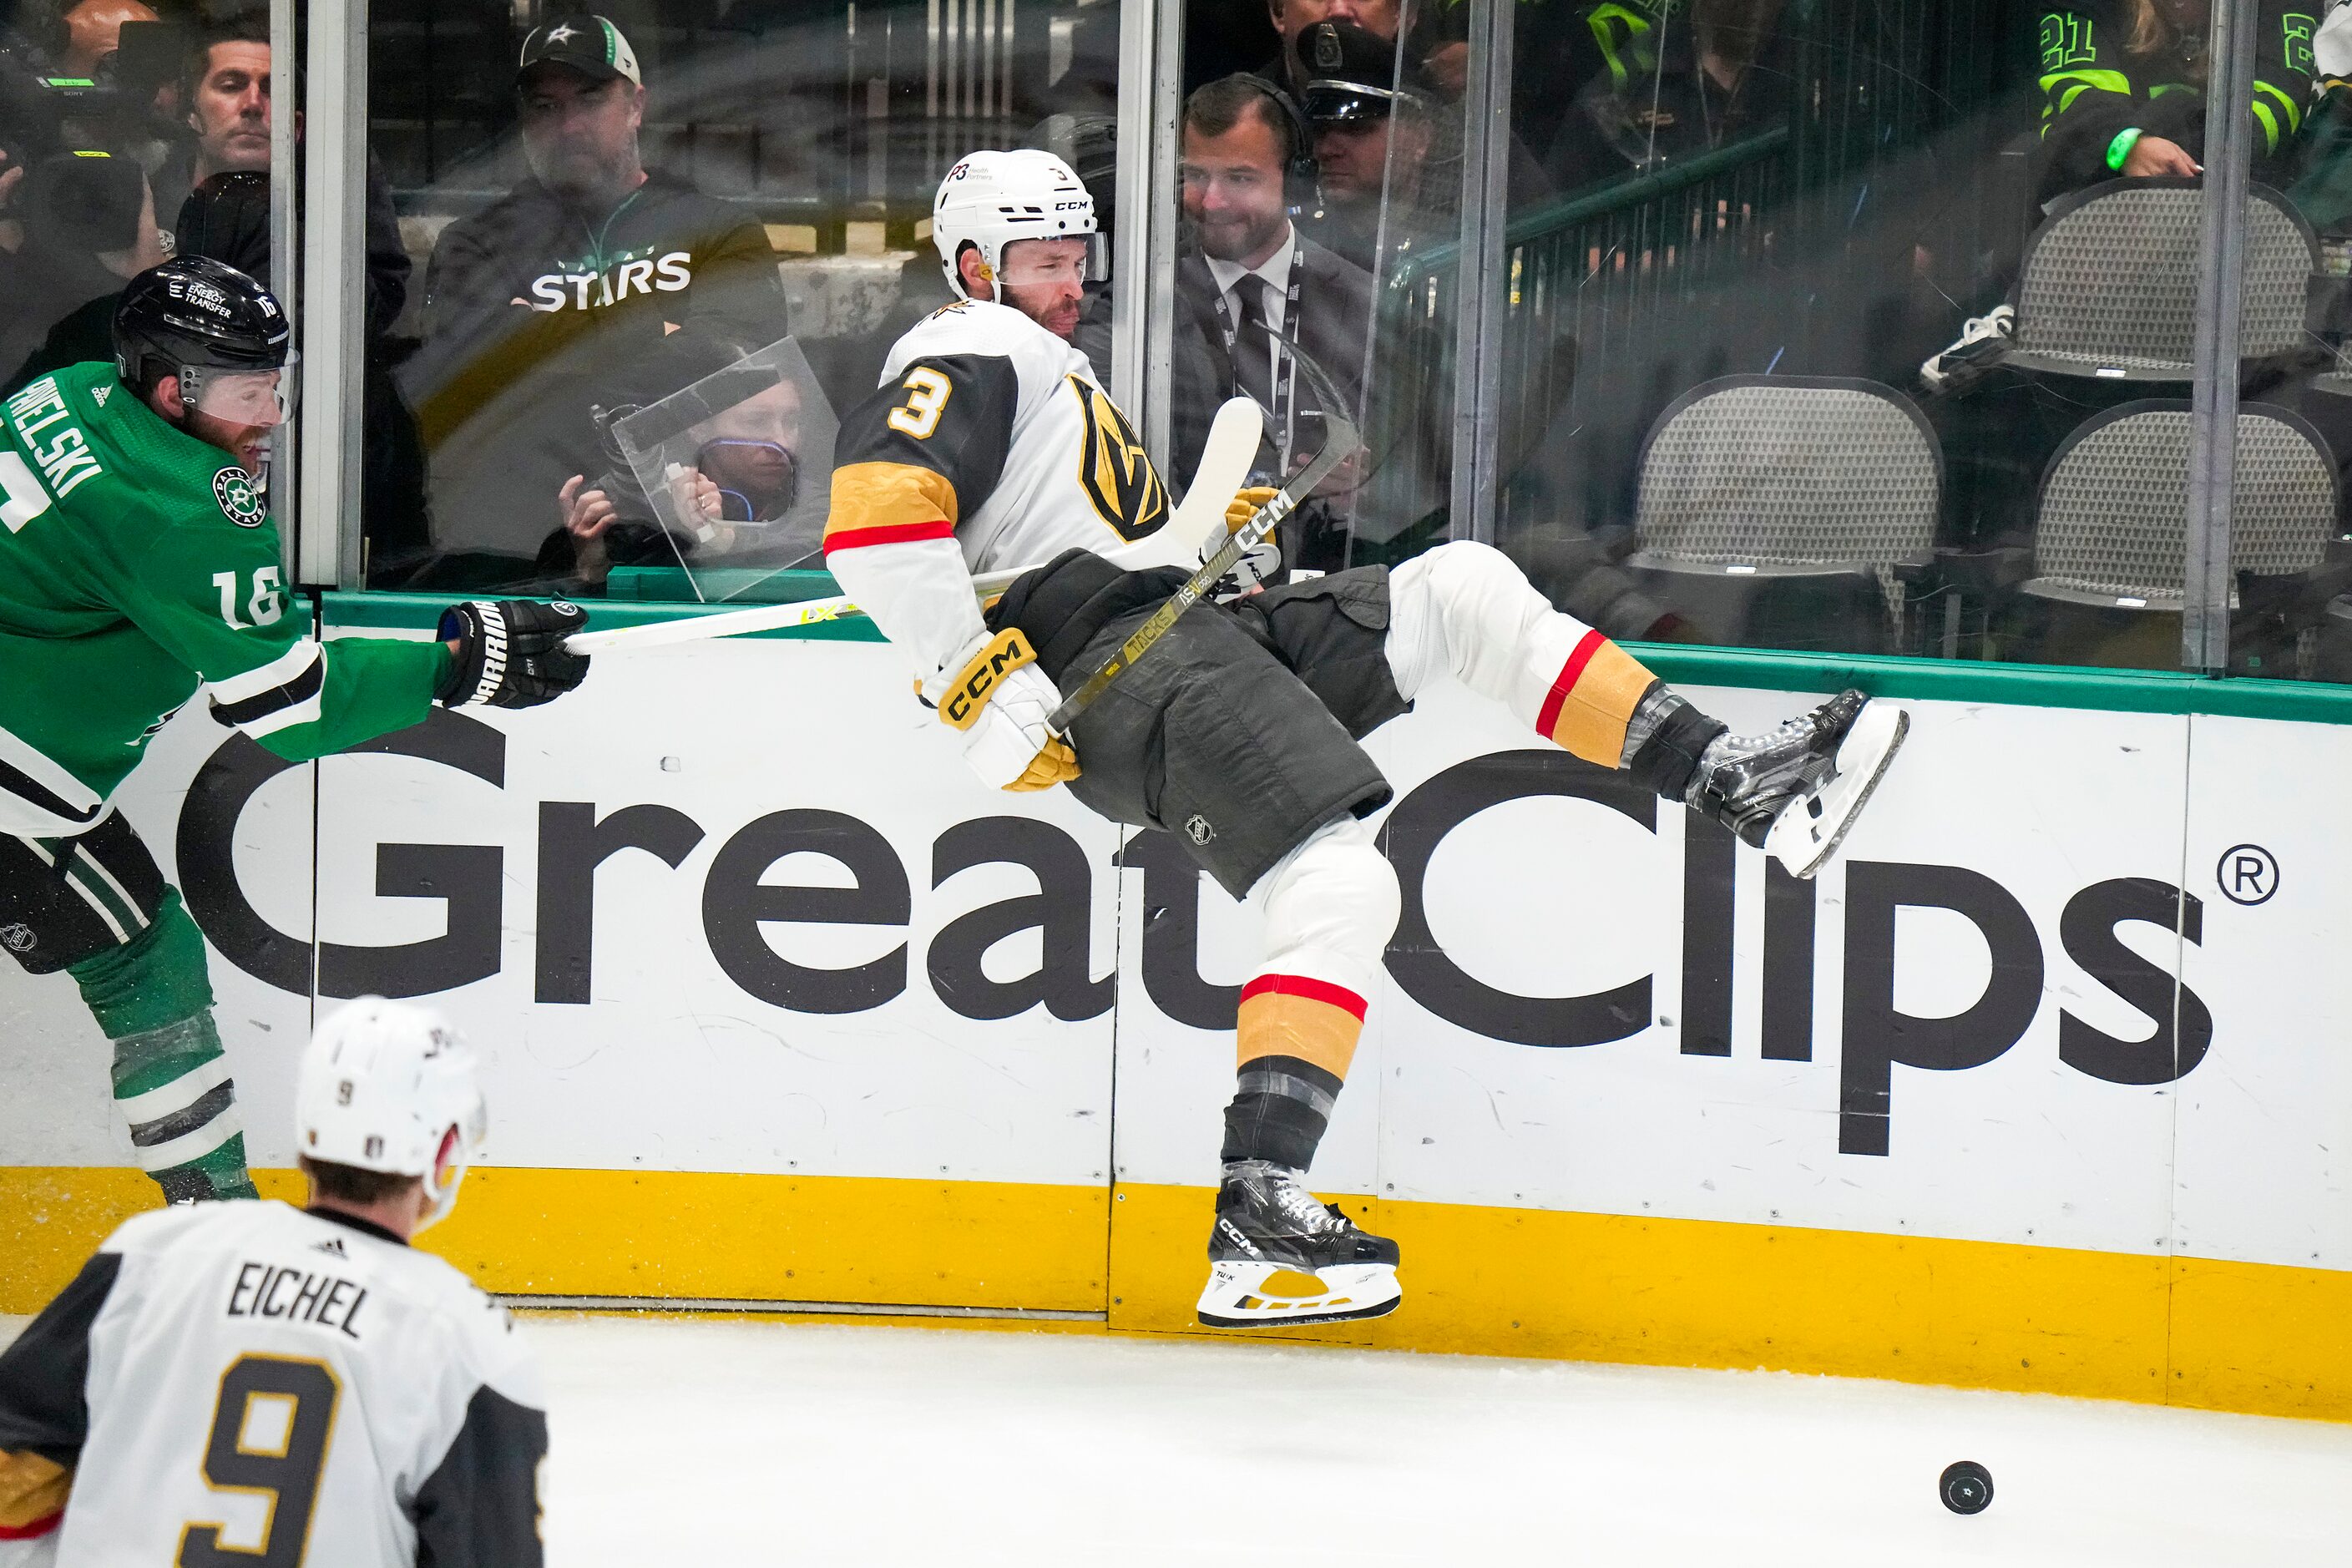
(2115, 502)
(2109, 279)
(1790, 471)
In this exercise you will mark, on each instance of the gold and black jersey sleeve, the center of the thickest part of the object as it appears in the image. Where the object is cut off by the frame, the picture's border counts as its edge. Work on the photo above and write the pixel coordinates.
(925, 451)
(480, 1507)
(44, 1410)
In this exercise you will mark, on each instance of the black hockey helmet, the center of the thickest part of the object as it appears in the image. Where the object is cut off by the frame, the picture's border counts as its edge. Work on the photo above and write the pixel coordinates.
(195, 311)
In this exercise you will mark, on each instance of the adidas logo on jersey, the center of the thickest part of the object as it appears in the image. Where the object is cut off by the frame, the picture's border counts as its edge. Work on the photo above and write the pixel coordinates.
(334, 1243)
(99, 394)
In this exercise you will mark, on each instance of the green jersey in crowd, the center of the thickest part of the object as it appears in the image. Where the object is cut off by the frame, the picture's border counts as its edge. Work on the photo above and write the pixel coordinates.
(137, 563)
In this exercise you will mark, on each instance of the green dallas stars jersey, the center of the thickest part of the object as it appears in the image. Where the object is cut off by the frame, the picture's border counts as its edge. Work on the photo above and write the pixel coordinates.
(136, 564)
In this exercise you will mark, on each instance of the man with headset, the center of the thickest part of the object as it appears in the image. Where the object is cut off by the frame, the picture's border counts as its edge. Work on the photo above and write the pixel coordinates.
(1249, 273)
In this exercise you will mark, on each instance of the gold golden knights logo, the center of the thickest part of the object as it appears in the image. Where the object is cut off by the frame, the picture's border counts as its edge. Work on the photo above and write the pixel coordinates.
(1118, 478)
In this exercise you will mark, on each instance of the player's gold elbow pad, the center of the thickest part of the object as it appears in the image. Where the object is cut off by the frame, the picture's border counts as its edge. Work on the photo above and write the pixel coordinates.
(960, 704)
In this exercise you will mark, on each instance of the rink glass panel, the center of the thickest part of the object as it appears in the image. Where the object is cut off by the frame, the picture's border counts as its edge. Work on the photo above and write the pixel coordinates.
(798, 148)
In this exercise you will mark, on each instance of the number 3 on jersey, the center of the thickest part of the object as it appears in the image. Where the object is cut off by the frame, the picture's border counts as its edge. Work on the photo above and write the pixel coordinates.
(926, 399)
(270, 1435)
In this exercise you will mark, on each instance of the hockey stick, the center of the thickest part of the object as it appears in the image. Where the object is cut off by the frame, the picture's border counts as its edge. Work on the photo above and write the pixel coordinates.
(1225, 459)
(1341, 440)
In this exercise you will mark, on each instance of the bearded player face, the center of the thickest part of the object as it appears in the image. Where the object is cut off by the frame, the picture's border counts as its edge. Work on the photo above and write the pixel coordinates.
(1045, 280)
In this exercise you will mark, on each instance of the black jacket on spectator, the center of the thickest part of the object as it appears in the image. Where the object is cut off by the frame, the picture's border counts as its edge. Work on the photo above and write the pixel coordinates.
(1335, 315)
(2095, 87)
(533, 315)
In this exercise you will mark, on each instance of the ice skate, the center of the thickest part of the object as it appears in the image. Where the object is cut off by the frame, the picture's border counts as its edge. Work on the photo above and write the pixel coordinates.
(1278, 1257)
(1794, 790)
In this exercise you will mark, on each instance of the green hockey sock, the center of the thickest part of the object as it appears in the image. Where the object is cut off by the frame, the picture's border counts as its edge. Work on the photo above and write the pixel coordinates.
(153, 999)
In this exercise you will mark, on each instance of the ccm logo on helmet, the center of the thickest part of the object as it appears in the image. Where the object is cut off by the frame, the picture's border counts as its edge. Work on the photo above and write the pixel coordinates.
(961, 705)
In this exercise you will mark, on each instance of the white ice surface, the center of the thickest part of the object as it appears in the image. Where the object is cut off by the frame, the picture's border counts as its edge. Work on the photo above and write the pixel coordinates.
(717, 1444)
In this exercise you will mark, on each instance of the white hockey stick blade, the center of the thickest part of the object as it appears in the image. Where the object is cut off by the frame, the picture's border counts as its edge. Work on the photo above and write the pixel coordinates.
(1807, 836)
(1225, 465)
(696, 629)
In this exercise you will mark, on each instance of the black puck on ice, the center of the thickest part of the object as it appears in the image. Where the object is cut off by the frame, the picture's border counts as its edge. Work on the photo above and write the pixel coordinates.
(1966, 1486)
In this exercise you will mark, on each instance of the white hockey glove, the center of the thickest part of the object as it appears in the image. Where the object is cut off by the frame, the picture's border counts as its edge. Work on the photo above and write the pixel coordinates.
(1259, 564)
(999, 697)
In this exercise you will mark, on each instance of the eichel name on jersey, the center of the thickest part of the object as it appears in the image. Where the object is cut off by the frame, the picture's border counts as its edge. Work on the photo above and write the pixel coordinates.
(250, 1383)
(970, 464)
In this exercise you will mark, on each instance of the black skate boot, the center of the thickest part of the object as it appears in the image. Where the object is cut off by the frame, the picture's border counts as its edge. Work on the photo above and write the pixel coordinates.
(1278, 1256)
(1793, 791)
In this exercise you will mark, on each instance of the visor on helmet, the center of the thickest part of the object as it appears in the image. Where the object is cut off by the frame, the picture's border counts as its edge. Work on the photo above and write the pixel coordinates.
(1074, 259)
(263, 397)
(459, 1146)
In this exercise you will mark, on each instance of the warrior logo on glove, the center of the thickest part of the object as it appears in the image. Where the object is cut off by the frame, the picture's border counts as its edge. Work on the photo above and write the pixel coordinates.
(510, 652)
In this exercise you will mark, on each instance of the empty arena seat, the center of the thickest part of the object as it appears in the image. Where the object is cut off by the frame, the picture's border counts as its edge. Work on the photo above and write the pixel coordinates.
(2114, 505)
(2109, 285)
(1778, 510)
(2110, 547)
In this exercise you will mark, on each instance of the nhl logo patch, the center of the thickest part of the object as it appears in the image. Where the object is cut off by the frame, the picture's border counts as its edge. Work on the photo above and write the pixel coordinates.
(240, 501)
(19, 938)
(1198, 830)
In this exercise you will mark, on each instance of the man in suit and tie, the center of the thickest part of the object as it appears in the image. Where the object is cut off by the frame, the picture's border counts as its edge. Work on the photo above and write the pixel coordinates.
(1248, 273)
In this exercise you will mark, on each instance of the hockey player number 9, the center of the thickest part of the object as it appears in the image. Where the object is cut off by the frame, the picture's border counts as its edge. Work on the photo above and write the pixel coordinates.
(926, 399)
(269, 1436)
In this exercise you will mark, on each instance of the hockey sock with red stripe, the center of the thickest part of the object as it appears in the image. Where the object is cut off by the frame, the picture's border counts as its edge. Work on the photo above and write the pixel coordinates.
(1295, 1039)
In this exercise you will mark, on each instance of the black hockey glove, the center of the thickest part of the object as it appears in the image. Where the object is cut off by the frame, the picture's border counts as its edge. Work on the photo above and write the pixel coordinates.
(510, 652)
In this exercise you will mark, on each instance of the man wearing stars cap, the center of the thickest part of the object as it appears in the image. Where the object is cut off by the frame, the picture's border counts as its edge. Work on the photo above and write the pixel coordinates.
(540, 307)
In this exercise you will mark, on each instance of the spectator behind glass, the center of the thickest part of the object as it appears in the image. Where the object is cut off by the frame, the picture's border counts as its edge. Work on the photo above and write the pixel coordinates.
(226, 81)
(225, 89)
(1293, 17)
(747, 471)
(1682, 80)
(1249, 273)
(2124, 89)
(93, 32)
(1370, 141)
(540, 306)
(91, 227)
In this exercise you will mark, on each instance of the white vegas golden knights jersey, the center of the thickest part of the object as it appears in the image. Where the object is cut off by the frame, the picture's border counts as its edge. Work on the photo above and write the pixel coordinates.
(263, 1387)
(990, 445)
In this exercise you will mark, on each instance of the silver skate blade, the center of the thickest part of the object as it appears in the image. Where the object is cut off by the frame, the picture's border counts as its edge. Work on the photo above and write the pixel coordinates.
(1807, 835)
(1243, 1295)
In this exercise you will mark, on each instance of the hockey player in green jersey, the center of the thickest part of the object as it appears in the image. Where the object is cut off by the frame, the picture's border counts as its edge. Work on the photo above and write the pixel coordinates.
(138, 564)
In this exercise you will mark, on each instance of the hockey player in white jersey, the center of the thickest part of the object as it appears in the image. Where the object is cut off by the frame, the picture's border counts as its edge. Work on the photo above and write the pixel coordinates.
(258, 1384)
(989, 446)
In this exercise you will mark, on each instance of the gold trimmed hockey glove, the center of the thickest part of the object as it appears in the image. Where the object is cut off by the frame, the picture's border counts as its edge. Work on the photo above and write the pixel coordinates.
(1001, 700)
(1262, 562)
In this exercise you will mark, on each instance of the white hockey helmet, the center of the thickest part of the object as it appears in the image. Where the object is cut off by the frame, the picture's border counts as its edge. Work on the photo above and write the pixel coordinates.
(990, 199)
(390, 1087)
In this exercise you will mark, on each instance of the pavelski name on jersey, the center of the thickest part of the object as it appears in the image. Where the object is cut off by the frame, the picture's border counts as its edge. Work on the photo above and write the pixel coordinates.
(65, 459)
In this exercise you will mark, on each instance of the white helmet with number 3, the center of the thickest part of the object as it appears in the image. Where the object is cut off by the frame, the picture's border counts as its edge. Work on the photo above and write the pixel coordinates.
(392, 1087)
(990, 199)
